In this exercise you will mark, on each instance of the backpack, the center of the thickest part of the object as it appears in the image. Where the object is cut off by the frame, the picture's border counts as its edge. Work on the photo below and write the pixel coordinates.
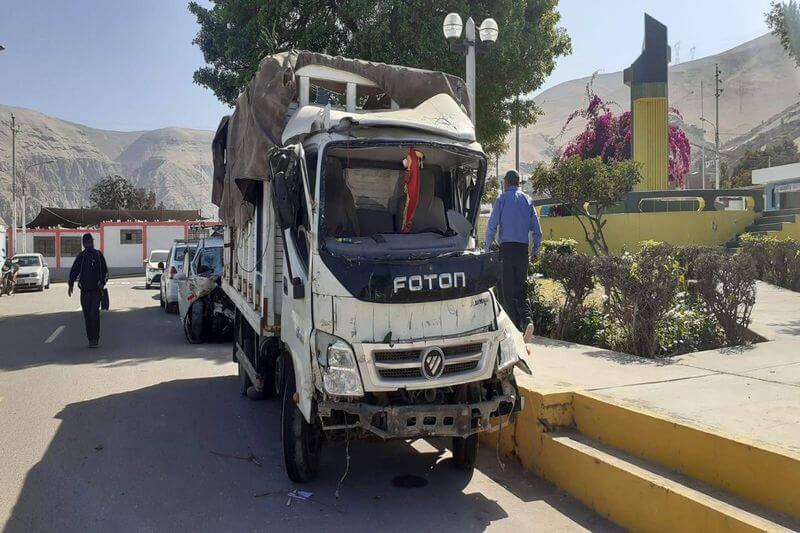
(91, 276)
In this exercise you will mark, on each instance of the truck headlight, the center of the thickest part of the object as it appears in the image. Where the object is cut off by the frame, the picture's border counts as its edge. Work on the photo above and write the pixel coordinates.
(340, 375)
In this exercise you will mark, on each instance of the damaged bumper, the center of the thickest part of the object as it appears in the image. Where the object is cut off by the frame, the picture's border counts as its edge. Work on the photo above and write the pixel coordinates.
(435, 420)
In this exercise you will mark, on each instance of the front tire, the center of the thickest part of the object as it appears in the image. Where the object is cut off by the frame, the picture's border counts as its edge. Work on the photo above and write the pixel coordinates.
(147, 285)
(465, 452)
(301, 441)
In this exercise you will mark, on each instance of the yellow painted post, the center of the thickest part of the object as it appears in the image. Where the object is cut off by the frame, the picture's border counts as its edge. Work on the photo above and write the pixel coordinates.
(651, 142)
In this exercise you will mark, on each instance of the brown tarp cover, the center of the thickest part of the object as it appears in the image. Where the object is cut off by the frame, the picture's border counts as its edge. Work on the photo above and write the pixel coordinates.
(243, 141)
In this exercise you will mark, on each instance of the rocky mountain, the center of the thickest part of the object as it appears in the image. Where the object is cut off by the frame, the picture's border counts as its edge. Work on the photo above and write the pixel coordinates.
(173, 162)
(759, 79)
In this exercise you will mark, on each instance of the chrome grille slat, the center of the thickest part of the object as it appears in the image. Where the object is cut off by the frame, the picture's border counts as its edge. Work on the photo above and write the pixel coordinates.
(399, 365)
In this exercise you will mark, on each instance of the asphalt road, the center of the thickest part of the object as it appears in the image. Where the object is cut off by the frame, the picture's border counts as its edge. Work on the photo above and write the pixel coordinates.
(149, 433)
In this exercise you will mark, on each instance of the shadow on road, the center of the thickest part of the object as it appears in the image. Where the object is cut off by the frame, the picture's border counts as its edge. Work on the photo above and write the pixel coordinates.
(128, 336)
(165, 458)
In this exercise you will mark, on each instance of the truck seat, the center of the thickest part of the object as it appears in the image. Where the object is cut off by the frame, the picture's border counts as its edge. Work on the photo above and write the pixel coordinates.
(430, 213)
(341, 219)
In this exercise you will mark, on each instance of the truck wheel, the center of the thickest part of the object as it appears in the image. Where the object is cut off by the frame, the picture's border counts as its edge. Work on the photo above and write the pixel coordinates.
(269, 371)
(193, 323)
(244, 380)
(301, 441)
(465, 452)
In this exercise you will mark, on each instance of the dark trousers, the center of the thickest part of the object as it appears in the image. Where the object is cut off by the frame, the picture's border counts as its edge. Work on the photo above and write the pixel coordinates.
(514, 282)
(90, 303)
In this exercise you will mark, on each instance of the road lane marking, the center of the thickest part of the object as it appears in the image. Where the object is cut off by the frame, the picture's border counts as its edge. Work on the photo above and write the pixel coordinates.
(55, 334)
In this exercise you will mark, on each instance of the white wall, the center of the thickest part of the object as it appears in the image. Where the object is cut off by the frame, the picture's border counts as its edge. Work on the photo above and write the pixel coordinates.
(121, 255)
(26, 245)
(162, 237)
(763, 176)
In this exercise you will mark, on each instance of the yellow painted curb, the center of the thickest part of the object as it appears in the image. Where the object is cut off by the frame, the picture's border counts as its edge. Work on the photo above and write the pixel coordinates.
(635, 499)
(769, 477)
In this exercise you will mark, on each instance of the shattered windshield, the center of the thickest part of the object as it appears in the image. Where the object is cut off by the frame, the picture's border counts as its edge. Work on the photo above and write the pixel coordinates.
(381, 200)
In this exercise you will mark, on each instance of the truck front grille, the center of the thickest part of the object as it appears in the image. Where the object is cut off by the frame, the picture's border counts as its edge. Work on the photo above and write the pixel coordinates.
(398, 365)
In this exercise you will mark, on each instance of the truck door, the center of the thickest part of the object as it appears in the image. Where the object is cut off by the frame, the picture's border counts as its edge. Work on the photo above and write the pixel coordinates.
(292, 200)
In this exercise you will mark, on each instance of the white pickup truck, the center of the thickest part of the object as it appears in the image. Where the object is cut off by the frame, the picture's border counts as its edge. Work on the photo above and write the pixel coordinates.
(362, 299)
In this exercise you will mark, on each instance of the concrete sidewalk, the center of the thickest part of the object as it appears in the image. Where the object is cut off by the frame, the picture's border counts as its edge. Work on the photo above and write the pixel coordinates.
(750, 392)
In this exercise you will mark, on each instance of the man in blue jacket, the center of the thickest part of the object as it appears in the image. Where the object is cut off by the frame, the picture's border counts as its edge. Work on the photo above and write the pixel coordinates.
(91, 271)
(514, 212)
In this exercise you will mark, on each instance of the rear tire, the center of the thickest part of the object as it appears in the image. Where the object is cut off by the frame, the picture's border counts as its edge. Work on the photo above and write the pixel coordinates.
(193, 323)
(301, 441)
(244, 379)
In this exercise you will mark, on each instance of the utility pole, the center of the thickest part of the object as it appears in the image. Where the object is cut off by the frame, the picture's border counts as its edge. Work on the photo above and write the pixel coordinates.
(703, 149)
(14, 131)
(717, 94)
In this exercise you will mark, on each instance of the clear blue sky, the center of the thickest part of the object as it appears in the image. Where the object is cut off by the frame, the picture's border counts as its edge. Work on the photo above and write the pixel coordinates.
(128, 64)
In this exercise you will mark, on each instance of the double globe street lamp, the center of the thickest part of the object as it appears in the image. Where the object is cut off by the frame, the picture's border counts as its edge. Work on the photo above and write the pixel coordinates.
(487, 32)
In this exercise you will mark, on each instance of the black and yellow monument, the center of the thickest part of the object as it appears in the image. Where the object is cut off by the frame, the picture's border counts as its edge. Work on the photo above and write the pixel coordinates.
(647, 78)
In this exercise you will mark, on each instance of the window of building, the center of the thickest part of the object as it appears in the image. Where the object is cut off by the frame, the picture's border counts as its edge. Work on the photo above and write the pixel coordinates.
(70, 246)
(130, 236)
(45, 246)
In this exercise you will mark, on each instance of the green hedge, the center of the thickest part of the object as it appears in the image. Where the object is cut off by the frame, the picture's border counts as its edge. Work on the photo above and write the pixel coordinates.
(659, 301)
(776, 260)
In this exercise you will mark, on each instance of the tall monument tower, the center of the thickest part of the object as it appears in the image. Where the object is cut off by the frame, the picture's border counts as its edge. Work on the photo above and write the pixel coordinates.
(647, 78)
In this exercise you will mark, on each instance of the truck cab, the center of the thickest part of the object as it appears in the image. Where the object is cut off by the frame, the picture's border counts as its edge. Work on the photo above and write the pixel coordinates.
(375, 308)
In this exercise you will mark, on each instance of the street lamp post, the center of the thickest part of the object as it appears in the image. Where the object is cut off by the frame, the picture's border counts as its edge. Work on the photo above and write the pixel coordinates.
(487, 32)
(24, 214)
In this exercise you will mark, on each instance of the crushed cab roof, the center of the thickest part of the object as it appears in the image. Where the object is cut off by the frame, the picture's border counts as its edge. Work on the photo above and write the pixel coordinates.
(439, 115)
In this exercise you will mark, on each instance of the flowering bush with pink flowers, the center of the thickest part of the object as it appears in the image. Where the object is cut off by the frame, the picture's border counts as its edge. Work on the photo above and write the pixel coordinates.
(608, 136)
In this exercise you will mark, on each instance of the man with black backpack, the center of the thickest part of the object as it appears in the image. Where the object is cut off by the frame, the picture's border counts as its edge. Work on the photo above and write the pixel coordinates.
(91, 271)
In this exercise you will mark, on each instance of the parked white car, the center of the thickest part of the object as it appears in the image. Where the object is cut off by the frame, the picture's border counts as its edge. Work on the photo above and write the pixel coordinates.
(180, 251)
(154, 267)
(33, 272)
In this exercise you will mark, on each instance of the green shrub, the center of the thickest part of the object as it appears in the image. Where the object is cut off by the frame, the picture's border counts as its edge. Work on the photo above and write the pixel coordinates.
(640, 289)
(687, 327)
(559, 246)
(575, 274)
(726, 283)
(687, 255)
(543, 313)
(777, 260)
(588, 327)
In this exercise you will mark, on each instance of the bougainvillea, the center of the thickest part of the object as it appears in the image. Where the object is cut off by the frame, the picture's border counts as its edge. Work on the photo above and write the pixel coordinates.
(608, 136)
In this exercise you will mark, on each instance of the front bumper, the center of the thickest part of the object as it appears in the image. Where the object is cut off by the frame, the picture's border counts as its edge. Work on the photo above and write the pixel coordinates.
(28, 282)
(414, 421)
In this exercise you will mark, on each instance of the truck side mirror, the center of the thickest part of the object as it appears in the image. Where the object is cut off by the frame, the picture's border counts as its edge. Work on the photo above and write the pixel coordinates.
(161, 265)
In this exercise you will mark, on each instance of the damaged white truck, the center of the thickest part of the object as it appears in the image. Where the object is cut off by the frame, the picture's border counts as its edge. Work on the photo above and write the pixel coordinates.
(350, 193)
